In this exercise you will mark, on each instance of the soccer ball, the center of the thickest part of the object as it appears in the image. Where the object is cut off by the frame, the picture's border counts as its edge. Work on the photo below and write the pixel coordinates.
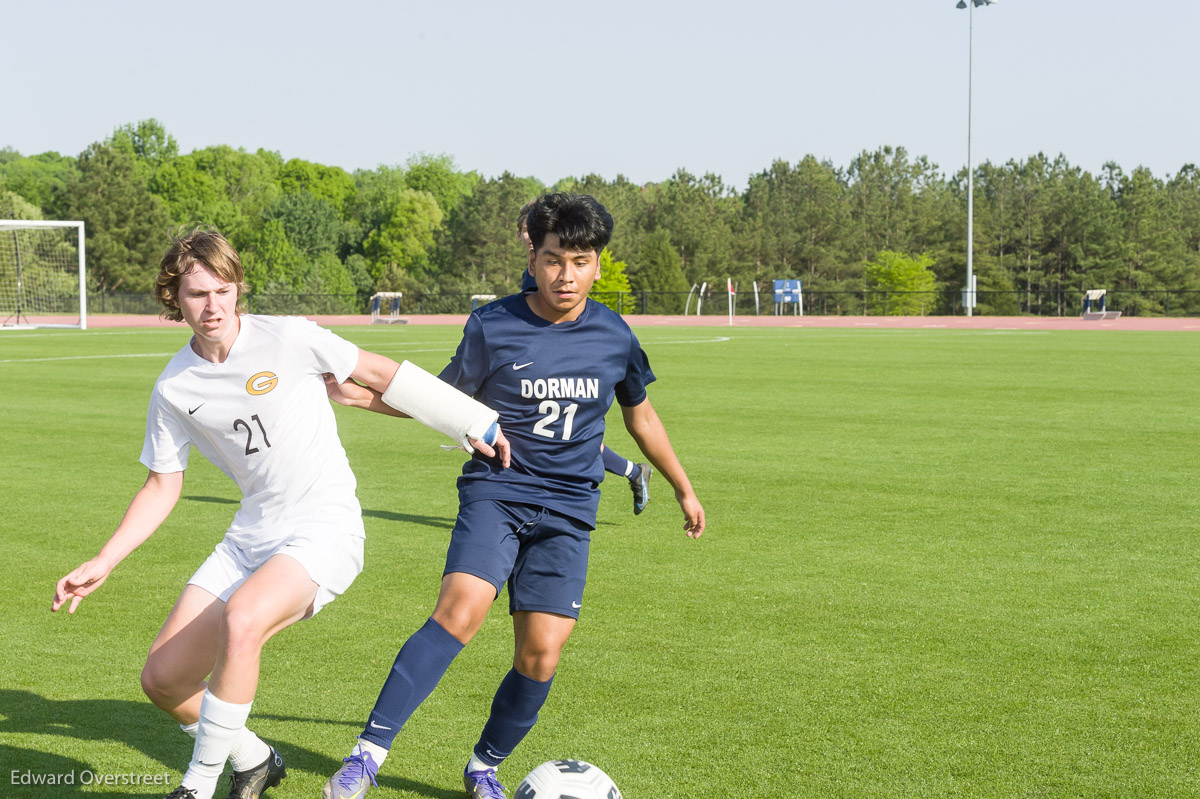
(567, 779)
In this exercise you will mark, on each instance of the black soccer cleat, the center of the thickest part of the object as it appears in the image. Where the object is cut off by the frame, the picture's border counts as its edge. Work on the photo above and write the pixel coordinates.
(182, 793)
(641, 488)
(251, 783)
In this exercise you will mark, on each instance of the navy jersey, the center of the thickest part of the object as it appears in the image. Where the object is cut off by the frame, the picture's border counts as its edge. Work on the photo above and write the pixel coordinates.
(552, 385)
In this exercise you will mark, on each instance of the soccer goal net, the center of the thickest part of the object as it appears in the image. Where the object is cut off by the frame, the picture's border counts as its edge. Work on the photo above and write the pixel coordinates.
(42, 278)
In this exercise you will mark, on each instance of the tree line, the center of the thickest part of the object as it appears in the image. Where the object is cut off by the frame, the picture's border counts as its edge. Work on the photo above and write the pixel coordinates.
(1045, 230)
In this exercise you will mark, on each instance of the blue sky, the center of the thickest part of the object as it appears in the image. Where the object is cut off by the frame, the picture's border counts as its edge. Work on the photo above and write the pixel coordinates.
(553, 89)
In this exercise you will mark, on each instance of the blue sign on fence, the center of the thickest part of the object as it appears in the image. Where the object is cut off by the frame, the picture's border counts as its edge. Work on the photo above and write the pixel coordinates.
(787, 291)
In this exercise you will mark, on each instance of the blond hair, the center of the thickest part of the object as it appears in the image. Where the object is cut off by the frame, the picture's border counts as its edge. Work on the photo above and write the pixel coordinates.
(203, 246)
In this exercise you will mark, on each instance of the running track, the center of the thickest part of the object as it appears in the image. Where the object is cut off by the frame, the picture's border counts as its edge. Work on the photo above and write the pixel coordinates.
(635, 320)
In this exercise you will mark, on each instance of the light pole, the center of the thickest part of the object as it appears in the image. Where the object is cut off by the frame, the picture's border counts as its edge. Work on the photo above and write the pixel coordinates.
(970, 292)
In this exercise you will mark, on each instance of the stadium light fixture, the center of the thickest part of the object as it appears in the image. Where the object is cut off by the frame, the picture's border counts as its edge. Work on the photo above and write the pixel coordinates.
(970, 292)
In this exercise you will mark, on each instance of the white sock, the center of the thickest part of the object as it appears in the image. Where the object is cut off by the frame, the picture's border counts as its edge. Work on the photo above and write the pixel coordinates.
(248, 750)
(475, 764)
(220, 725)
(377, 752)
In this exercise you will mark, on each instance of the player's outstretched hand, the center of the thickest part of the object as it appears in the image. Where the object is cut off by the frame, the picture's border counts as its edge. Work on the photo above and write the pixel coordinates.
(499, 447)
(79, 583)
(693, 515)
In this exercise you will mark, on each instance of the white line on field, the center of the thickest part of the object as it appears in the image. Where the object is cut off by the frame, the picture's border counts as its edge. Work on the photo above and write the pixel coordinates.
(798, 334)
(715, 340)
(95, 333)
(91, 357)
(442, 348)
(450, 346)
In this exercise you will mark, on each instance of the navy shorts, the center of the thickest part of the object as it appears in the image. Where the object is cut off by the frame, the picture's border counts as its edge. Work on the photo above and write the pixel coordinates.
(542, 555)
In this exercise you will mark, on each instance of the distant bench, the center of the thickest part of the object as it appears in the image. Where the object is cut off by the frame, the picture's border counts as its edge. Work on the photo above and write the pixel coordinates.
(393, 317)
(1094, 309)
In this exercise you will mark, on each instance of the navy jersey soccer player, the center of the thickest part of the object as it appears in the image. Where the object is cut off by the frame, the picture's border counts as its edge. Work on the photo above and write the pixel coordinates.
(550, 363)
(638, 474)
(552, 384)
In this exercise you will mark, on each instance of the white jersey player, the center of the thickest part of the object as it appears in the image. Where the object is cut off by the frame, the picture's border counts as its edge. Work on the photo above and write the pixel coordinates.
(249, 393)
(262, 418)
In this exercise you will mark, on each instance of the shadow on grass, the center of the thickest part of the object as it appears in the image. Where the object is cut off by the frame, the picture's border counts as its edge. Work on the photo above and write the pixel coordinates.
(440, 522)
(324, 767)
(140, 726)
(214, 500)
(30, 773)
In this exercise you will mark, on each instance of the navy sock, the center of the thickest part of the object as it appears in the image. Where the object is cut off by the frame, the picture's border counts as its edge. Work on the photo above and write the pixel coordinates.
(514, 712)
(422, 661)
(617, 465)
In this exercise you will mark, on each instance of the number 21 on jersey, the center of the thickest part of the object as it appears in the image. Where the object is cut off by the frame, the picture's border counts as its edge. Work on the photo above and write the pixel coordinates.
(551, 411)
(242, 424)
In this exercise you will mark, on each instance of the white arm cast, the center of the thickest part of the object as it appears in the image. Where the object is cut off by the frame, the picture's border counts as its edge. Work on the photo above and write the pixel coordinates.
(439, 405)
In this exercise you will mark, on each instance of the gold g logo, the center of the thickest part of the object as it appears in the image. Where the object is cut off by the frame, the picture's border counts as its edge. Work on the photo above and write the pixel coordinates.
(261, 383)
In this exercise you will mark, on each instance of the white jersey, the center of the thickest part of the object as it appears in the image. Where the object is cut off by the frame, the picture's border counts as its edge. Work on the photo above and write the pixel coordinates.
(264, 419)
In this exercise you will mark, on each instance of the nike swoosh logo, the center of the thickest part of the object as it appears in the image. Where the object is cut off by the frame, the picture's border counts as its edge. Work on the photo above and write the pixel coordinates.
(576, 605)
(378, 726)
(193, 410)
(518, 367)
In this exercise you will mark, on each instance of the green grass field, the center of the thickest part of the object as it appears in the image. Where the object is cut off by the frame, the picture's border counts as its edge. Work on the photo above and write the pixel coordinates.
(938, 564)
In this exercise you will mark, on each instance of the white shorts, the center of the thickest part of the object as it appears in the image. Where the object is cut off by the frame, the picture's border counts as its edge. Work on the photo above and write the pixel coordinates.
(332, 560)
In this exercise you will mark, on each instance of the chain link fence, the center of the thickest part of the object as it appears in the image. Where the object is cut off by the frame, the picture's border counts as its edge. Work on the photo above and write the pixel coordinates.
(1181, 303)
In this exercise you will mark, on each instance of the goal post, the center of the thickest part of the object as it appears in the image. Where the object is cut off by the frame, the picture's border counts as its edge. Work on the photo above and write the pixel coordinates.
(43, 278)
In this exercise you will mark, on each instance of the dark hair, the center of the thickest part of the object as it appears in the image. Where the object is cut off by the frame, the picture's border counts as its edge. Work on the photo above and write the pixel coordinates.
(523, 215)
(580, 222)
